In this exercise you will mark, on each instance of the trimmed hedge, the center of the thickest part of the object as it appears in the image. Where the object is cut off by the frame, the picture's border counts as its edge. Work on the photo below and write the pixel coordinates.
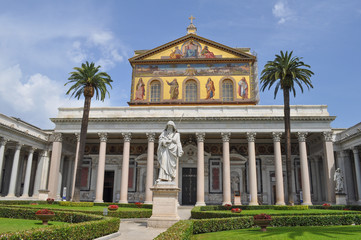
(286, 207)
(86, 227)
(221, 224)
(76, 204)
(182, 230)
(125, 205)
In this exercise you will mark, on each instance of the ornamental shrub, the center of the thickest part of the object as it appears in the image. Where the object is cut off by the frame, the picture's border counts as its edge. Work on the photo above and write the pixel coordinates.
(50, 200)
(236, 210)
(113, 207)
(76, 204)
(295, 207)
(44, 212)
(182, 230)
(262, 216)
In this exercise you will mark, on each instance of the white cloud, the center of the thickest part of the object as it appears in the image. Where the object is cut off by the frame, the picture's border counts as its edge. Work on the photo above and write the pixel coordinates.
(36, 98)
(282, 12)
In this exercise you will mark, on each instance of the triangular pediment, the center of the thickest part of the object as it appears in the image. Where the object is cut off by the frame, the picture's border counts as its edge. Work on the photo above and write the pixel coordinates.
(191, 47)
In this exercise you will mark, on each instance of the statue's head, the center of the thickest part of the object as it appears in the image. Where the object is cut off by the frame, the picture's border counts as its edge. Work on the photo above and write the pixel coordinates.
(172, 124)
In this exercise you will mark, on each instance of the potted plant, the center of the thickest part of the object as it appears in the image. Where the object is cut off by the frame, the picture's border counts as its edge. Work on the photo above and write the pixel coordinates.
(50, 200)
(228, 206)
(45, 215)
(113, 207)
(236, 210)
(138, 204)
(262, 220)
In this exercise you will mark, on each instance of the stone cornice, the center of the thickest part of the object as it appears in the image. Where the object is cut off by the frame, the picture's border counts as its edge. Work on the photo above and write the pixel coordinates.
(43, 139)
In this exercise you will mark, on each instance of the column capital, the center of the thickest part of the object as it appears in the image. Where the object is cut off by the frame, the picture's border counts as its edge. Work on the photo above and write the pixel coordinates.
(18, 146)
(77, 135)
(32, 149)
(127, 137)
(200, 136)
(151, 136)
(327, 136)
(251, 136)
(57, 137)
(226, 136)
(276, 136)
(302, 136)
(3, 141)
(44, 153)
(354, 150)
(103, 136)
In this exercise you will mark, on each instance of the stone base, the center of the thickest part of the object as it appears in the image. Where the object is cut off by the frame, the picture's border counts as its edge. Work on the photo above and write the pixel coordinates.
(43, 194)
(165, 210)
(237, 200)
(341, 199)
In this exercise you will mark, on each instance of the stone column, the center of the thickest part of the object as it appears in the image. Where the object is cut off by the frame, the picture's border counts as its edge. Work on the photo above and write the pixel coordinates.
(2, 152)
(306, 190)
(14, 171)
(200, 169)
(226, 169)
(77, 135)
(28, 173)
(329, 167)
(55, 165)
(150, 168)
(252, 169)
(101, 167)
(356, 159)
(125, 169)
(60, 180)
(280, 197)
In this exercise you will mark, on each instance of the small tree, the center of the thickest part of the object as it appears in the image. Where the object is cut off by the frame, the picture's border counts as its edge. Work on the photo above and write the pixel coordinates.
(285, 72)
(86, 81)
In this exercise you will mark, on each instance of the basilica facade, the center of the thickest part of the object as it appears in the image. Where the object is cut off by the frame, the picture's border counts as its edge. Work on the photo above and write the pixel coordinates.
(233, 147)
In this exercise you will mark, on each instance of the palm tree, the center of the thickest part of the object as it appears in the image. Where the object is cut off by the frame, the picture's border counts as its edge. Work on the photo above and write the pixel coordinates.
(86, 81)
(285, 72)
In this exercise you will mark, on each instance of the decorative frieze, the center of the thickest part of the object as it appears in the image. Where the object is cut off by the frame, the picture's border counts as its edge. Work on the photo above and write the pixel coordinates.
(151, 137)
(251, 136)
(103, 137)
(302, 136)
(127, 137)
(200, 136)
(226, 136)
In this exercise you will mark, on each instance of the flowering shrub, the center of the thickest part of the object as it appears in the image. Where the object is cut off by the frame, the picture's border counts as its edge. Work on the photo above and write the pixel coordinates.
(34, 203)
(326, 205)
(113, 207)
(50, 200)
(139, 204)
(44, 212)
(236, 210)
(262, 216)
(228, 206)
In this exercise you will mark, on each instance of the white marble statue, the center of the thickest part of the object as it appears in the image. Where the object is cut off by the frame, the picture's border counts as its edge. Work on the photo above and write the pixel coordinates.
(338, 178)
(169, 150)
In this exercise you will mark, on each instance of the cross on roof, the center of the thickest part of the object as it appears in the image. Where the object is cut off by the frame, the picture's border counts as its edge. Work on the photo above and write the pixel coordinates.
(191, 18)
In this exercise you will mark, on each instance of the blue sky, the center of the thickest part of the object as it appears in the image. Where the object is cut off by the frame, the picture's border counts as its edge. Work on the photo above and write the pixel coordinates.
(41, 41)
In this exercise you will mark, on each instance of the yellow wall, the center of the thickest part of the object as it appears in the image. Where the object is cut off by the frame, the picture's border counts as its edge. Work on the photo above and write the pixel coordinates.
(202, 82)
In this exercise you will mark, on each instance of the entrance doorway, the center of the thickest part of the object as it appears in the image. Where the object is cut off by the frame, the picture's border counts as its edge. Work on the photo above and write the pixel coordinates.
(189, 186)
(108, 186)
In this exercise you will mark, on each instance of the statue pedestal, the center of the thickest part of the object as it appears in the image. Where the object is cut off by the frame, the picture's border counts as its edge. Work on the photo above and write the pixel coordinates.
(341, 199)
(43, 194)
(165, 200)
(237, 200)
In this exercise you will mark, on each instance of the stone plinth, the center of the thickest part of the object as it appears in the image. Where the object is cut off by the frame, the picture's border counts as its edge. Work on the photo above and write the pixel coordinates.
(165, 212)
(341, 199)
(43, 194)
(237, 200)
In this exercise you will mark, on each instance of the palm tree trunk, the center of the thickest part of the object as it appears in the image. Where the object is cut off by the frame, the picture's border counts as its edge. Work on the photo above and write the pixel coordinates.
(289, 165)
(83, 133)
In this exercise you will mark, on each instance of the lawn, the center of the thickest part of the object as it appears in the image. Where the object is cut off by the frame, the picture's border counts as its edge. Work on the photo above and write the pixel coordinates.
(16, 225)
(94, 208)
(304, 233)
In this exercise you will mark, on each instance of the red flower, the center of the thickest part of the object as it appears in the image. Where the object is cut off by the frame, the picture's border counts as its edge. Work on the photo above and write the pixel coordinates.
(228, 206)
(50, 200)
(44, 212)
(113, 207)
(262, 216)
(236, 210)
(139, 204)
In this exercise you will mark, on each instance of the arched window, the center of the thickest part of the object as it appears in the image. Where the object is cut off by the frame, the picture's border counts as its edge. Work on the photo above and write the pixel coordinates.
(191, 91)
(155, 91)
(227, 90)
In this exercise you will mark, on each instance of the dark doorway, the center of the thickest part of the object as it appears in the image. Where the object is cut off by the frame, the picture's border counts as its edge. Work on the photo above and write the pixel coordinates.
(189, 186)
(108, 186)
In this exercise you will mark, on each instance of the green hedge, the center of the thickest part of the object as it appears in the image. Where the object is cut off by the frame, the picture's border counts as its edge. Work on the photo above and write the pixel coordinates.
(125, 205)
(295, 207)
(182, 230)
(76, 204)
(86, 227)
